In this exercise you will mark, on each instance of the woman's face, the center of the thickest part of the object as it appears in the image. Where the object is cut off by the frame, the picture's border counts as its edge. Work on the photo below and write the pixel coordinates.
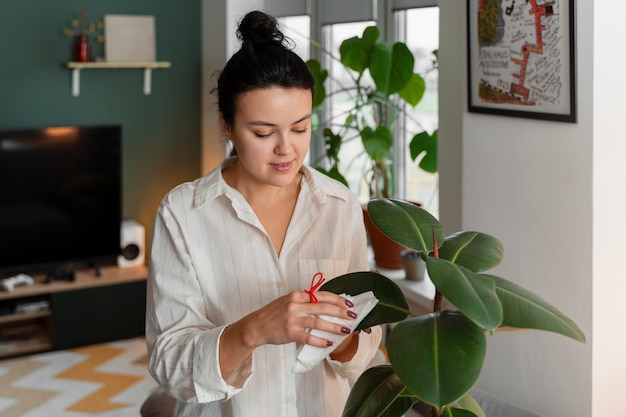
(271, 133)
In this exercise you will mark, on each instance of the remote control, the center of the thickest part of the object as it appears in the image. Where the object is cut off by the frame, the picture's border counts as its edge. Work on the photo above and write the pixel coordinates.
(20, 279)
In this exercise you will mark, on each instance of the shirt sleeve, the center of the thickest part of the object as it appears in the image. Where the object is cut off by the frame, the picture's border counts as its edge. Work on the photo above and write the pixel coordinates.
(183, 343)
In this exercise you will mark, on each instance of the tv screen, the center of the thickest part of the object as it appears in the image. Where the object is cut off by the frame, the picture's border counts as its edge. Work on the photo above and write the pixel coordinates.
(60, 197)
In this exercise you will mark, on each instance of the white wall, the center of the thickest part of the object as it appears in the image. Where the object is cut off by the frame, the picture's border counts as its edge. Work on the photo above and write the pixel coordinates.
(219, 42)
(214, 33)
(609, 208)
(452, 84)
(552, 192)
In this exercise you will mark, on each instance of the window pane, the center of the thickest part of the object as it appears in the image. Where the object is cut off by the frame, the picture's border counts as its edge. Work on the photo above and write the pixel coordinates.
(298, 29)
(353, 164)
(422, 38)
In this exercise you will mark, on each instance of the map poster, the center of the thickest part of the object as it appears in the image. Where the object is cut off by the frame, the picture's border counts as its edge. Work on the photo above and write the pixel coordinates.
(521, 58)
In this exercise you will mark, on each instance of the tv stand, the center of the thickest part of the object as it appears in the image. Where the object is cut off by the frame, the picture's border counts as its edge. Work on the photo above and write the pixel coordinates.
(63, 314)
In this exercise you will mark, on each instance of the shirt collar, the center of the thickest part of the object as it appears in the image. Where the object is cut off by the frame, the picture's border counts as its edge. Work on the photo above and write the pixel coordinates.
(212, 185)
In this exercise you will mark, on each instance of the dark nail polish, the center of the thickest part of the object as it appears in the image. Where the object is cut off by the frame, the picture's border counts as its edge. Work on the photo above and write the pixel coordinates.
(329, 343)
(349, 303)
(352, 314)
(345, 330)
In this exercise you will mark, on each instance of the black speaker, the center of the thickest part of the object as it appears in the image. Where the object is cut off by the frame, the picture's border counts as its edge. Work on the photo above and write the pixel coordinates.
(133, 238)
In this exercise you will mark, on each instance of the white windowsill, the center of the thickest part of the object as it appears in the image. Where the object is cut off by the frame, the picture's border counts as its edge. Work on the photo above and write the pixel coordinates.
(419, 294)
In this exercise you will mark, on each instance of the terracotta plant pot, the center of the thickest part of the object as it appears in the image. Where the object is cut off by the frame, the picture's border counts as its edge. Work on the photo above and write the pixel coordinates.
(386, 251)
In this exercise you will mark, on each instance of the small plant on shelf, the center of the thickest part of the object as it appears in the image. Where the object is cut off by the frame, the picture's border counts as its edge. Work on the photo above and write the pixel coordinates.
(78, 27)
(437, 358)
(83, 34)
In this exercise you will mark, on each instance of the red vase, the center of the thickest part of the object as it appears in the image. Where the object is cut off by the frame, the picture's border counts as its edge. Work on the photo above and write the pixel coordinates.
(82, 49)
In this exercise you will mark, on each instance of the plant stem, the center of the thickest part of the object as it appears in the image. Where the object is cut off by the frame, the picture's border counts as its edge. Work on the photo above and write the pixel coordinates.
(438, 296)
(438, 301)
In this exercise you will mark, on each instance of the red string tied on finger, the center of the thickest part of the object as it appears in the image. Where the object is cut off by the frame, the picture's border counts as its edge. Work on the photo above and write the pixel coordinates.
(314, 286)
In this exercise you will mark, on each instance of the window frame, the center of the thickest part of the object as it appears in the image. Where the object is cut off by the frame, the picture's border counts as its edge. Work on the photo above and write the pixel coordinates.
(386, 14)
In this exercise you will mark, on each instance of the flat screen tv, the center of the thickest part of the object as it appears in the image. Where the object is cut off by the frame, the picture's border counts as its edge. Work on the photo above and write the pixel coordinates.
(60, 197)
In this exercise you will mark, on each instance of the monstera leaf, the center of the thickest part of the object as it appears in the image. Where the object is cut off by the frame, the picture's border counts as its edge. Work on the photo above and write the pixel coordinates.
(377, 143)
(355, 52)
(391, 67)
(319, 75)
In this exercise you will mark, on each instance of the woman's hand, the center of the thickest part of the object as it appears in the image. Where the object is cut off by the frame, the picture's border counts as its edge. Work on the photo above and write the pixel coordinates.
(291, 317)
(286, 319)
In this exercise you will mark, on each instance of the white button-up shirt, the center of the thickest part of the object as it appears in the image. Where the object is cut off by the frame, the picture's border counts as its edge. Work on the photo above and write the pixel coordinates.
(212, 263)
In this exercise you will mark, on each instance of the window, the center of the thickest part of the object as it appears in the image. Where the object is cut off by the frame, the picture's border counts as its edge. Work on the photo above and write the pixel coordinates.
(298, 30)
(418, 27)
(353, 163)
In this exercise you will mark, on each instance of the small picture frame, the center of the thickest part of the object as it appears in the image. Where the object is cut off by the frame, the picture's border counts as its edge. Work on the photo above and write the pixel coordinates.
(521, 58)
(129, 38)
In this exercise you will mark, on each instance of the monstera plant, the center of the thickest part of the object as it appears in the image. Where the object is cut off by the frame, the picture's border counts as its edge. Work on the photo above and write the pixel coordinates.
(379, 86)
(436, 358)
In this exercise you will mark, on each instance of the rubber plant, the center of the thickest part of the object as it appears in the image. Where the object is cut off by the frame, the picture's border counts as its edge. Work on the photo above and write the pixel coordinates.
(437, 357)
(382, 85)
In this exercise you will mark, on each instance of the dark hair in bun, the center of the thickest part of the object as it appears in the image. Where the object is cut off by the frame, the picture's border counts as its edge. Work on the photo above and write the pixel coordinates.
(264, 60)
(259, 28)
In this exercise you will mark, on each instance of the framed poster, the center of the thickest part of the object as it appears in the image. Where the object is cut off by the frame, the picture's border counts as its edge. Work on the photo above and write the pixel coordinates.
(521, 58)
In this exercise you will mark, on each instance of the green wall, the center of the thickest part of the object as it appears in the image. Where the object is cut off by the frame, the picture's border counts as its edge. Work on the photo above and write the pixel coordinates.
(161, 131)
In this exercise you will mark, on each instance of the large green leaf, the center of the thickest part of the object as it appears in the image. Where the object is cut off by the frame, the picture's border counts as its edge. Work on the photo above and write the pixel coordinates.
(475, 251)
(378, 392)
(319, 75)
(523, 309)
(426, 144)
(438, 356)
(333, 144)
(392, 305)
(414, 90)
(473, 294)
(355, 52)
(406, 223)
(391, 66)
(377, 143)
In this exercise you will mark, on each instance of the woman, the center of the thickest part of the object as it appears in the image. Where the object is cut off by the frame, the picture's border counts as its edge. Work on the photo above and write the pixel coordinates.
(234, 251)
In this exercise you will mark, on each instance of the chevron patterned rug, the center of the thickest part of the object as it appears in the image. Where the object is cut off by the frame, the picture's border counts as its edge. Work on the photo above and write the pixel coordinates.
(105, 380)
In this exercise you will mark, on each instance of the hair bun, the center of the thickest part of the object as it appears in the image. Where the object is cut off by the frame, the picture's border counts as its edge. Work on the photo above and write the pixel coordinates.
(257, 28)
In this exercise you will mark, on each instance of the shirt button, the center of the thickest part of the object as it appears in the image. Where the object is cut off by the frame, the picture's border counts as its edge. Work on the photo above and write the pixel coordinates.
(280, 285)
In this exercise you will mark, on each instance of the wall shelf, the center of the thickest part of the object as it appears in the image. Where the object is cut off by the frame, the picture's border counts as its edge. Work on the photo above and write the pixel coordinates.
(147, 67)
